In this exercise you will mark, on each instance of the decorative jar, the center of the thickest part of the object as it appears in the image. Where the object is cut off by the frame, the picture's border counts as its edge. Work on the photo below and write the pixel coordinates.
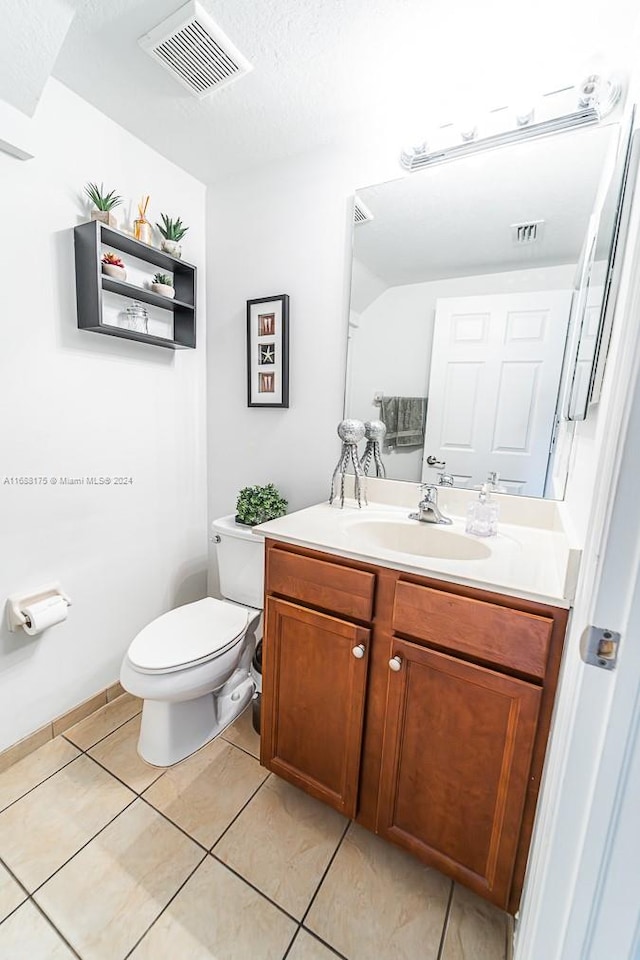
(136, 317)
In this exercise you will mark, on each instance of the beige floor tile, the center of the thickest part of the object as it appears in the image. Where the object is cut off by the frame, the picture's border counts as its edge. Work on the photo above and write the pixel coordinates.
(241, 733)
(119, 753)
(11, 893)
(28, 773)
(282, 843)
(306, 947)
(216, 916)
(476, 930)
(104, 721)
(203, 793)
(26, 935)
(104, 899)
(379, 902)
(510, 935)
(47, 826)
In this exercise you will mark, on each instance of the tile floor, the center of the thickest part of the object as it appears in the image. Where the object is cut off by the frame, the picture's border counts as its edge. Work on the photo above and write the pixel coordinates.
(103, 857)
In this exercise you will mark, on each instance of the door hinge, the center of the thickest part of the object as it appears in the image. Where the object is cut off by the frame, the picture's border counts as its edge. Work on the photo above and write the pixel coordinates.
(599, 647)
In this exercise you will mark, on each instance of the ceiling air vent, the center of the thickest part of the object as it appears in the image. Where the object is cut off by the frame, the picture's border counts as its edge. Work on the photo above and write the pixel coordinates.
(525, 233)
(195, 51)
(361, 213)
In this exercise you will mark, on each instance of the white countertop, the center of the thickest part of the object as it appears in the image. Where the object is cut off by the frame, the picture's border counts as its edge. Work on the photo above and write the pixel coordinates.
(535, 562)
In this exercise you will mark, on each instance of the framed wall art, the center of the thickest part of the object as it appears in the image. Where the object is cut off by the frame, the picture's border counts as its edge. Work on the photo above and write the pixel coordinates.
(268, 352)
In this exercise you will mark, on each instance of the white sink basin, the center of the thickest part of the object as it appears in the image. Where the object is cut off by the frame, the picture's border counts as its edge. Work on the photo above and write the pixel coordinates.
(419, 539)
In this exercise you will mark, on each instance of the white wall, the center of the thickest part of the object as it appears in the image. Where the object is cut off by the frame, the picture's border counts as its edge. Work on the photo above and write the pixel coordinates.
(390, 348)
(77, 404)
(366, 286)
(282, 229)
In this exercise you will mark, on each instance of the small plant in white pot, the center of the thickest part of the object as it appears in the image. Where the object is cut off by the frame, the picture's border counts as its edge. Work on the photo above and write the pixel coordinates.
(113, 266)
(163, 284)
(103, 203)
(172, 233)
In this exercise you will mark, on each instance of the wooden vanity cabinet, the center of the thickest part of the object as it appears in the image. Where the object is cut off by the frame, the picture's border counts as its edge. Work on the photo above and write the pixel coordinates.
(457, 747)
(419, 708)
(313, 704)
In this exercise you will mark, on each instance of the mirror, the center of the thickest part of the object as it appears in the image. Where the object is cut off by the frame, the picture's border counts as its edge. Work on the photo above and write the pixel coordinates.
(476, 306)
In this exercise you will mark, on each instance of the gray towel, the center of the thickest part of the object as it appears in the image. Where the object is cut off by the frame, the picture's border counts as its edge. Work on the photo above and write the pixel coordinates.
(389, 415)
(404, 418)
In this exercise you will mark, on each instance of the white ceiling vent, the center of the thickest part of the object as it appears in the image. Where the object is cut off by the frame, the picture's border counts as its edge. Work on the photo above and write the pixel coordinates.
(361, 213)
(195, 51)
(525, 233)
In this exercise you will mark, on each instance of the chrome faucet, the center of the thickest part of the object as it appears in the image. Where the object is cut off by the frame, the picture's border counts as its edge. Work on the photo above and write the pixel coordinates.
(428, 509)
(445, 480)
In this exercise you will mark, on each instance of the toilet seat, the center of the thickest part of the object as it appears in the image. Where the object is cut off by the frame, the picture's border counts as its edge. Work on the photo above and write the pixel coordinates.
(188, 635)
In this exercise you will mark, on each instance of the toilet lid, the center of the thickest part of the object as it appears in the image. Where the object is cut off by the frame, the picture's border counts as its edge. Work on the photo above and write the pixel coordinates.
(198, 631)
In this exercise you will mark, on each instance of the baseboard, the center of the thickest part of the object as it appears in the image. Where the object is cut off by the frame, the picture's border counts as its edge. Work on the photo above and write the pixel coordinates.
(57, 726)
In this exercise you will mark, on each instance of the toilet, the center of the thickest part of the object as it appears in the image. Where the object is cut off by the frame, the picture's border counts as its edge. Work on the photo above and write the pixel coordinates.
(191, 665)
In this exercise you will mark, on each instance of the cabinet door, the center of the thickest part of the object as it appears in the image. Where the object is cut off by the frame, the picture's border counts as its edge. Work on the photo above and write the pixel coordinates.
(458, 742)
(313, 701)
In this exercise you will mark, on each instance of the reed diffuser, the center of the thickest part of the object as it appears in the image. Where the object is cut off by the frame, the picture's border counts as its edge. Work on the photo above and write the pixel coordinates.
(141, 227)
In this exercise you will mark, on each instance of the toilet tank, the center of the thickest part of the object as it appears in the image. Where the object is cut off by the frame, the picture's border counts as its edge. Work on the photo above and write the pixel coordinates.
(240, 562)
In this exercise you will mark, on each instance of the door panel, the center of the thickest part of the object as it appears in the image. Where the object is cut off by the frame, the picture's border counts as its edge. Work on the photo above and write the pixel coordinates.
(313, 702)
(516, 400)
(495, 374)
(458, 743)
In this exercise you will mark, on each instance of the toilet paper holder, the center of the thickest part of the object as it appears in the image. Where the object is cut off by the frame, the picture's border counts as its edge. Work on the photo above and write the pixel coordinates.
(17, 601)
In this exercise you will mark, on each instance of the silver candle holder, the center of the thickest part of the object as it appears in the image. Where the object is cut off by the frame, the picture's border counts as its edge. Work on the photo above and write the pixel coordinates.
(374, 431)
(351, 432)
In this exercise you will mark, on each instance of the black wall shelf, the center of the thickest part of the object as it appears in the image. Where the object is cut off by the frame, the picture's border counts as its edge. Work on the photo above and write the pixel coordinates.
(89, 238)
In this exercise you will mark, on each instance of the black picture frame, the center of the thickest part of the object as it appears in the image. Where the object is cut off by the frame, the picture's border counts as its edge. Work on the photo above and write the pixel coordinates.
(268, 323)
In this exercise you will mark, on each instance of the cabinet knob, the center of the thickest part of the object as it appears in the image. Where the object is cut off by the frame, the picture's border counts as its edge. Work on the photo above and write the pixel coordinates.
(395, 664)
(359, 651)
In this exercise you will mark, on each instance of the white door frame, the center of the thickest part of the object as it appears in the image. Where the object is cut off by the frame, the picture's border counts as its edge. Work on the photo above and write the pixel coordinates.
(584, 837)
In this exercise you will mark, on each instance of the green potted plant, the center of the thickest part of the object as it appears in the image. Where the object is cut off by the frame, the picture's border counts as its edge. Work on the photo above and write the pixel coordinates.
(172, 233)
(103, 203)
(163, 284)
(113, 266)
(259, 504)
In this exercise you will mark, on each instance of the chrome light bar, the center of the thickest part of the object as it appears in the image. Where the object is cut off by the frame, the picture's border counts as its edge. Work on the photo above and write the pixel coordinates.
(418, 159)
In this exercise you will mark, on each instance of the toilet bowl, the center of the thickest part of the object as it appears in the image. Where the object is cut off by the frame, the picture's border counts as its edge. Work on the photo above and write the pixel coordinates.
(191, 665)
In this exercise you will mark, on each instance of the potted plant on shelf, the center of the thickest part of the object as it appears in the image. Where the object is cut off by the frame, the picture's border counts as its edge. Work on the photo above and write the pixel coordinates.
(172, 233)
(163, 284)
(103, 203)
(113, 266)
(259, 504)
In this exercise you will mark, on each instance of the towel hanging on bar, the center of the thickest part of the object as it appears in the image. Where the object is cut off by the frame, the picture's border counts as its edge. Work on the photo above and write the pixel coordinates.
(405, 419)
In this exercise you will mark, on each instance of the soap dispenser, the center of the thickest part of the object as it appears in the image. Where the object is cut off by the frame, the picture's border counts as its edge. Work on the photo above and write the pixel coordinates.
(482, 515)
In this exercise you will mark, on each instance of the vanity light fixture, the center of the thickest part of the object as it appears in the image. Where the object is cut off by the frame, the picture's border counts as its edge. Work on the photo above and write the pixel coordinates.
(525, 116)
(581, 118)
(602, 93)
(597, 96)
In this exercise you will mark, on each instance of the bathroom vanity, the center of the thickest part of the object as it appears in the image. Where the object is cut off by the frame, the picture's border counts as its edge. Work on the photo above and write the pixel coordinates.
(413, 702)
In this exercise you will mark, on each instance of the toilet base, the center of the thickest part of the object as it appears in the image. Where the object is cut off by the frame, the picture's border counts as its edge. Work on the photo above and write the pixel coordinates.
(171, 731)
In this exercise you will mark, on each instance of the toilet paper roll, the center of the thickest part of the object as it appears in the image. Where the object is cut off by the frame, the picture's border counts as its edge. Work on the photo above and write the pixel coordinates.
(44, 613)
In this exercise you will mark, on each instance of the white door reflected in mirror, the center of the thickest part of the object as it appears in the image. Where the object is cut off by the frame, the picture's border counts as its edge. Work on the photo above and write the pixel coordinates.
(495, 376)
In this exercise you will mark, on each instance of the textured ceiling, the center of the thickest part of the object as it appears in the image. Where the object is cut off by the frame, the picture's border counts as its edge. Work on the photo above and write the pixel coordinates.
(30, 40)
(328, 70)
